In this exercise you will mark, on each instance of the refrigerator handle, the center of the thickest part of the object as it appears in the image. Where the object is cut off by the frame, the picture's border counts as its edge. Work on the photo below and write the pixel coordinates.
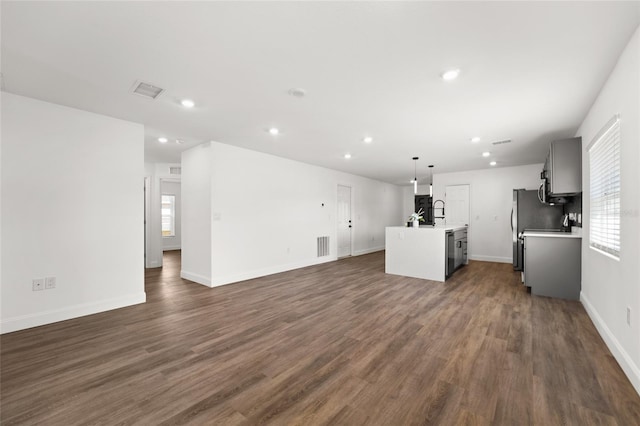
(512, 220)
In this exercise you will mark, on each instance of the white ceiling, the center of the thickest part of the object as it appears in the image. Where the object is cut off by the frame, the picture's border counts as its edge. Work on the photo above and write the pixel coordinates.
(530, 72)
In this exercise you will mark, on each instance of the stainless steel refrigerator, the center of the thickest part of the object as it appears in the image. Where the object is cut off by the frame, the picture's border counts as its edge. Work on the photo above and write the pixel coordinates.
(529, 213)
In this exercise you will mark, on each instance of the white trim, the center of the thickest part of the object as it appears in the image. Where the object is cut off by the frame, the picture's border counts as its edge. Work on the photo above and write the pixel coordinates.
(604, 130)
(230, 279)
(624, 359)
(498, 259)
(47, 317)
(196, 278)
(369, 250)
(147, 223)
(169, 248)
(604, 253)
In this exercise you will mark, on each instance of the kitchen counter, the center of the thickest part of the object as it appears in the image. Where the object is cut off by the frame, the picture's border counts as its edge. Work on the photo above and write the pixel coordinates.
(552, 234)
(431, 227)
(417, 252)
(552, 263)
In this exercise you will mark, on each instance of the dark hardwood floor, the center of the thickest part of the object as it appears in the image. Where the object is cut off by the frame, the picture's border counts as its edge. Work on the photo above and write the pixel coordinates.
(338, 343)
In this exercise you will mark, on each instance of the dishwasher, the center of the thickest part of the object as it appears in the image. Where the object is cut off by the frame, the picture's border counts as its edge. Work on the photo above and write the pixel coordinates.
(450, 249)
(456, 249)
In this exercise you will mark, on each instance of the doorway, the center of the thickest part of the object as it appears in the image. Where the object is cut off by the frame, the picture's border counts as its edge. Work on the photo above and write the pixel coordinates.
(170, 214)
(457, 202)
(147, 219)
(344, 221)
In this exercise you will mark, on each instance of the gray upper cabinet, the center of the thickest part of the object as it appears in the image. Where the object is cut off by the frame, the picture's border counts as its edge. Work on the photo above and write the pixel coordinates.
(563, 167)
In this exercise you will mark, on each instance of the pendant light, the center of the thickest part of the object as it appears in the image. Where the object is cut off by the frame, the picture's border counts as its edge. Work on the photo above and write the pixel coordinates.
(431, 180)
(415, 174)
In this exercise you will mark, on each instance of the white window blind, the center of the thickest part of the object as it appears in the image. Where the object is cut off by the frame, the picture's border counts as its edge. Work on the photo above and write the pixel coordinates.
(604, 192)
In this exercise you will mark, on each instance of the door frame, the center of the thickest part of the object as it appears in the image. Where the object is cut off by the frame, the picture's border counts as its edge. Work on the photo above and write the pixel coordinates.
(147, 218)
(163, 180)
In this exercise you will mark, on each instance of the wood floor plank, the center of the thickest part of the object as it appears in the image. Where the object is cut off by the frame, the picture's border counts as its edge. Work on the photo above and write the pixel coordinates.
(340, 343)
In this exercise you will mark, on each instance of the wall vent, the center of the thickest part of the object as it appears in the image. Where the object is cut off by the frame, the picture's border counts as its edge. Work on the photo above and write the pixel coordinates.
(147, 90)
(323, 246)
(175, 170)
(501, 142)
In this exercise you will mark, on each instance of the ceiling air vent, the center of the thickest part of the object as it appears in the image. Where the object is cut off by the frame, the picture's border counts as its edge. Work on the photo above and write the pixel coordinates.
(501, 142)
(175, 170)
(147, 90)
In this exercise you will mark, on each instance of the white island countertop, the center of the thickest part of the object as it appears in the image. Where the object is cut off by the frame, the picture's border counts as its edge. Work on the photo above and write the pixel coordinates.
(433, 228)
(417, 252)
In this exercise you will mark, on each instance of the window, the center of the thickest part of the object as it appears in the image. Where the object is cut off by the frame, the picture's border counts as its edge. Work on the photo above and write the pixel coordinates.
(168, 215)
(604, 192)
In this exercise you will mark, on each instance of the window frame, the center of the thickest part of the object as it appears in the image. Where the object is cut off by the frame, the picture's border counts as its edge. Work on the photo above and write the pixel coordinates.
(605, 192)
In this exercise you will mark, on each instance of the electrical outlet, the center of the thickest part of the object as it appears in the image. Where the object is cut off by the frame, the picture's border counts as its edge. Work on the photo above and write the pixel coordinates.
(628, 316)
(37, 284)
(49, 282)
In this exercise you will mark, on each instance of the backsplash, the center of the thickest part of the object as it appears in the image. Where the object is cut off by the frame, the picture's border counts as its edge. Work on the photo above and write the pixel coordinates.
(574, 206)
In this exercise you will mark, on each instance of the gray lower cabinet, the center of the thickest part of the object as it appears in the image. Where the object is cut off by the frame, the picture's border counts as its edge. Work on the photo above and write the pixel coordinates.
(552, 266)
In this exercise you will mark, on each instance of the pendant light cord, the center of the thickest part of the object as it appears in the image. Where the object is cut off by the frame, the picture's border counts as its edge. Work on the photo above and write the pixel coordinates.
(415, 175)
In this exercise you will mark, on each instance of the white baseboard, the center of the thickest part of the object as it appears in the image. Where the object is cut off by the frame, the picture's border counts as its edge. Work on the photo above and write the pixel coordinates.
(367, 251)
(55, 315)
(196, 278)
(169, 248)
(229, 279)
(490, 258)
(626, 363)
(152, 264)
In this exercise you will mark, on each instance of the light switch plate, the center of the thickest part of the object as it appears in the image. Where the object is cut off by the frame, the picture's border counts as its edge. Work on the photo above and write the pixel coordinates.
(37, 284)
(49, 282)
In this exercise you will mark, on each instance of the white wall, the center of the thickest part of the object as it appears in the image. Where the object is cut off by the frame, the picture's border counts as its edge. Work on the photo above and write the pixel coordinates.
(196, 214)
(71, 208)
(610, 286)
(173, 188)
(156, 173)
(490, 202)
(266, 211)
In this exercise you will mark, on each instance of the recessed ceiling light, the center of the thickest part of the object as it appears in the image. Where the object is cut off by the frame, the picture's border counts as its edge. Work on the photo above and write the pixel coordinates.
(274, 131)
(187, 103)
(450, 75)
(347, 156)
(163, 140)
(493, 163)
(475, 139)
(179, 141)
(486, 154)
(367, 139)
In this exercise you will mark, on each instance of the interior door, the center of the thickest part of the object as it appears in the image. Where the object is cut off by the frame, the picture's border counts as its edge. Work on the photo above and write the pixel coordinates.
(344, 221)
(457, 204)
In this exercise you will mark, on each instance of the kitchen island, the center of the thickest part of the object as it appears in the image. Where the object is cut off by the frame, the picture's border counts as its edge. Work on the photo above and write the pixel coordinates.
(418, 252)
